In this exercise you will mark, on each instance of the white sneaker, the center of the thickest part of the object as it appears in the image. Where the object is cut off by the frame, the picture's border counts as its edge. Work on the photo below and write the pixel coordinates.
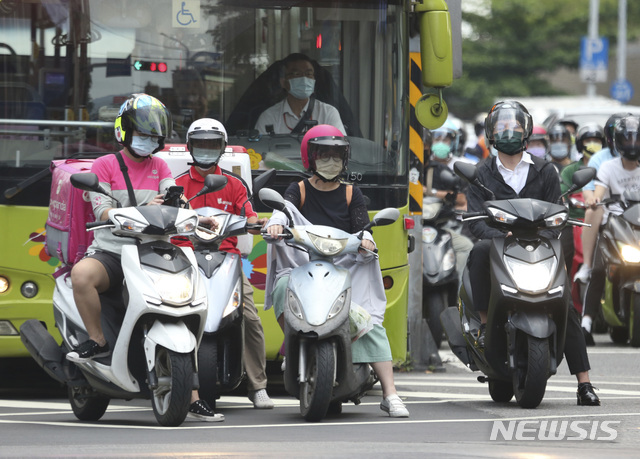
(583, 275)
(260, 399)
(394, 406)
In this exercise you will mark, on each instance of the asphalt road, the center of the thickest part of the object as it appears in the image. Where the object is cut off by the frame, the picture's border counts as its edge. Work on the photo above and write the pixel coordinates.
(452, 415)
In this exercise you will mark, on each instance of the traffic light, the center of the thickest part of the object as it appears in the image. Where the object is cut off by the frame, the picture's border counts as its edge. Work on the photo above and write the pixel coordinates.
(150, 66)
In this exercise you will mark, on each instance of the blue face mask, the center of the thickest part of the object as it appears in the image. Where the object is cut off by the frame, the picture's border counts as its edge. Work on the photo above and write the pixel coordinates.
(144, 145)
(559, 150)
(301, 88)
(441, 150)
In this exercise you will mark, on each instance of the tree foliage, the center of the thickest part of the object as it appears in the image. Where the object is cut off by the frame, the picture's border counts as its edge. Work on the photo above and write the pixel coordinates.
(515, 44)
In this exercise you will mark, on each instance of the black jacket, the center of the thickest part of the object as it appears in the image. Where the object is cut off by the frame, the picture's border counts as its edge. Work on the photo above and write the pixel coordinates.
(542, 183)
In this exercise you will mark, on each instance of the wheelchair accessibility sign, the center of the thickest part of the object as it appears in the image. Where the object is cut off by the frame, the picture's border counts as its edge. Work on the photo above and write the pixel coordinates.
(186, 13)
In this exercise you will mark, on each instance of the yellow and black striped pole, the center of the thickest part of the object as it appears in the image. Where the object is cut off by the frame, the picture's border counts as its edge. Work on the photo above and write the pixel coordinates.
(416, 145)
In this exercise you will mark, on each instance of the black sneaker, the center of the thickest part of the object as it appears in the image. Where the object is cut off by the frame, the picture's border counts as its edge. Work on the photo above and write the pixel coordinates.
(87, 351)
(201, 411)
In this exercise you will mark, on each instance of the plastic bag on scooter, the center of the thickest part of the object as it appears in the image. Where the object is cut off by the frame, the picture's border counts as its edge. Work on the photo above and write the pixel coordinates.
(360, 321)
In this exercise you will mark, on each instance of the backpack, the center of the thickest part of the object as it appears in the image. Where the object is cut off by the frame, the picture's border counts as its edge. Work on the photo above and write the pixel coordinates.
(70, 210)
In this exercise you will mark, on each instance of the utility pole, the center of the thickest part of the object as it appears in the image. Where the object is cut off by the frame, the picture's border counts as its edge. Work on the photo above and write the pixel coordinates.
(594, 8)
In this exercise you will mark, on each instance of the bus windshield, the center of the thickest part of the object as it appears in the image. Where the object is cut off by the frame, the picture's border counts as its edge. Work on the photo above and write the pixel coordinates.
(66, 66)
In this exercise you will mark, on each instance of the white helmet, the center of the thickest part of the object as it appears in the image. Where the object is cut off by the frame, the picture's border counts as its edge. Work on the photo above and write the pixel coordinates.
(206, 141)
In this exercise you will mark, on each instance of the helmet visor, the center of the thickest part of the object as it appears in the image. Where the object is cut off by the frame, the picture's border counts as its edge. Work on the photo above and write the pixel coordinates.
(206, 147)
(627, 138)
(328, 147)
(506, 122)
(151, 117)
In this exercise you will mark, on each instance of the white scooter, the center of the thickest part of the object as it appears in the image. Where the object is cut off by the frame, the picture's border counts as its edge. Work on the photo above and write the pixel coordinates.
(220, 354)
(319, 369)
(153, 324)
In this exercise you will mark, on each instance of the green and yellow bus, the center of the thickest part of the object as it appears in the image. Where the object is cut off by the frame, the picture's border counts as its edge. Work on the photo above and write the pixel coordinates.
(66, 66)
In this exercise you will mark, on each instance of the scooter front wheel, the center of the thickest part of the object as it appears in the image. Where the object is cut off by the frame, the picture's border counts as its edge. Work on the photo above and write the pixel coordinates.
(208, 369)
(170, 398)
(532, 370)
(634, 333)
(87, 404)
(315, 393)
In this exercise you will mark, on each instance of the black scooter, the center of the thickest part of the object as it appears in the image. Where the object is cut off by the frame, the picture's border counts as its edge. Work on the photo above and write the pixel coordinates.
(530, 298)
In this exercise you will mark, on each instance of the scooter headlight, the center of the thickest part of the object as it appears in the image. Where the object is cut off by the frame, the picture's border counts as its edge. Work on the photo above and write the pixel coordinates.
(234, 300)
(501, 216)
(531, 277)
(327, 246)
(294, 304)
(175, 289)
(629, 253)
(556, 220)
(431, 209)
(449, 260)
(429, 234)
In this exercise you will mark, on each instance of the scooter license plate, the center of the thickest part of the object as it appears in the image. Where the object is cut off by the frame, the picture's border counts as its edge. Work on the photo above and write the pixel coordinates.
(429, 234)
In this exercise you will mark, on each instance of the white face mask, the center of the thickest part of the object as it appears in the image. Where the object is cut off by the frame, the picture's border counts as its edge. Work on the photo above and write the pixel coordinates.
(144, 145)
(329, 168)
(301, 88)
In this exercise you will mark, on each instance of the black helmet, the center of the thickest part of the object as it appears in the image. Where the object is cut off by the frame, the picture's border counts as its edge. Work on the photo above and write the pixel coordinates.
(570, 122)
(559, 133)
(589, 130)
(626, 137)
(504, 111)
(145, 114)
(608, 129)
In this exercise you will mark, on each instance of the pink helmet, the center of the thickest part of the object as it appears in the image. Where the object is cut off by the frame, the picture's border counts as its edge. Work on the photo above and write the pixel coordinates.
(322, 135)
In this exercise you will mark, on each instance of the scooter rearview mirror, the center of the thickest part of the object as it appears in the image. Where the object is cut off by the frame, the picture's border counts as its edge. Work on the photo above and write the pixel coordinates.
(385, 217)
(212, 182)
(583, 176)
(450, 181)
(272, 199)
(88, 181)
(466, 171)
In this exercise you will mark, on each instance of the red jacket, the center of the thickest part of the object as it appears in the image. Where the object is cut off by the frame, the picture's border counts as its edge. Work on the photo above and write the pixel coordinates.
(229, 199)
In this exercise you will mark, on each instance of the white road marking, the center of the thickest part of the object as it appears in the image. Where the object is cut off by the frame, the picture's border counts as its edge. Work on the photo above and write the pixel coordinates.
(323, 424)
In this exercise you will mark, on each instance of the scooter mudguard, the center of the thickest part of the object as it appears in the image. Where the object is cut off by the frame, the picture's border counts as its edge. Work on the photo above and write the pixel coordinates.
(450, 319)
(173, 336)
(536, 324)
(44, 349)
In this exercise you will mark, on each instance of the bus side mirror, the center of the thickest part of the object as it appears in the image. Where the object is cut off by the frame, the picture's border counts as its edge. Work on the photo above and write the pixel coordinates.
(436, 52)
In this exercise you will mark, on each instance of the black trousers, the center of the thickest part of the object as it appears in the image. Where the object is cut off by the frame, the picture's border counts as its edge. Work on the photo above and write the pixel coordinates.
(596, 284)
(575, 347)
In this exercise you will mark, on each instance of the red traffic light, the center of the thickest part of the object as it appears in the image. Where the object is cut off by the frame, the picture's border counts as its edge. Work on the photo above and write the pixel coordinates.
(150, 66)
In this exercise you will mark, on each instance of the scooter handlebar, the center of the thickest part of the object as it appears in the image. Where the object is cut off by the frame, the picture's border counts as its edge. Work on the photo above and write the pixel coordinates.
(100, 224)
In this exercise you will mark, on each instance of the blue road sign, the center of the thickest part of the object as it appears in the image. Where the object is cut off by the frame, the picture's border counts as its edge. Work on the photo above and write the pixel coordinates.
(622, 90)
(594, 59)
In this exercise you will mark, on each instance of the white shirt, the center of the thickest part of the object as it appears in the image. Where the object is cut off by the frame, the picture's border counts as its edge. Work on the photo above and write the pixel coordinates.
(616, 179)
(516, 178)
(283, 119)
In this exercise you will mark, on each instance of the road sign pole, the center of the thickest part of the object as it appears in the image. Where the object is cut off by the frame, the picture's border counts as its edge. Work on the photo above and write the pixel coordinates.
(594, 6)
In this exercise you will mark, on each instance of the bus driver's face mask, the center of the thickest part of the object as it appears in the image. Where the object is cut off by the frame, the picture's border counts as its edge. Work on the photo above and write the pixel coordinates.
(302, 87)
(144, 145)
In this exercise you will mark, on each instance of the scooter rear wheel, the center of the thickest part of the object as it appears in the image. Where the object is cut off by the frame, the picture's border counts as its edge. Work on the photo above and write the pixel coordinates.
(87, 405)
(315, 393)
(170, 399)
(434, 303)
(530, 376)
